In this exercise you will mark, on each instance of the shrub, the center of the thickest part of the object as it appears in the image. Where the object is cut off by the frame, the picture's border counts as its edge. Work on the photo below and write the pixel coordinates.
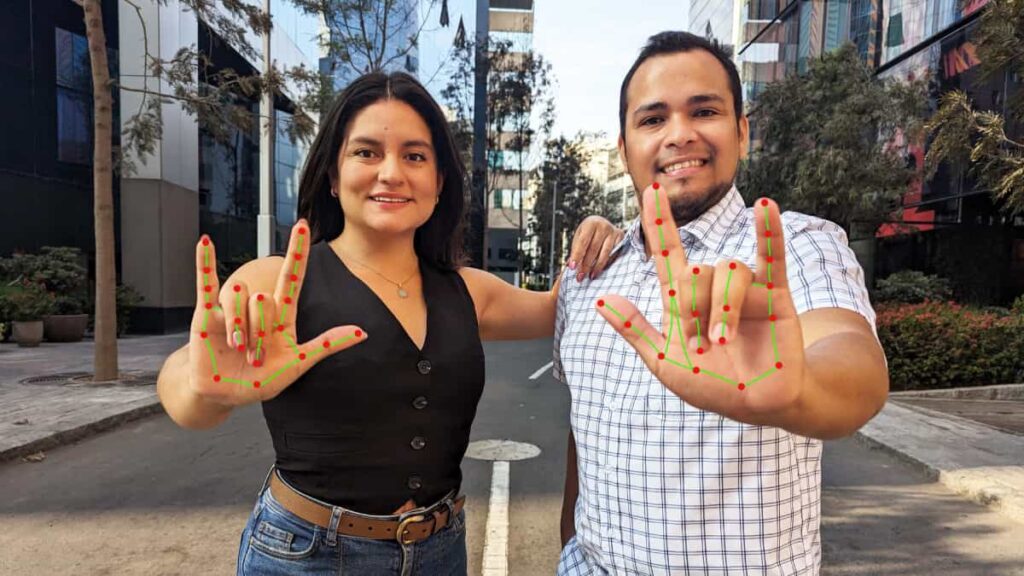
(912, 287)
(26, 302)
(58, 269)
(946, 345)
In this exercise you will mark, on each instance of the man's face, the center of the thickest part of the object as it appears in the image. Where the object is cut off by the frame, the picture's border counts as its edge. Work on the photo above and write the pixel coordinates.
(682, 132)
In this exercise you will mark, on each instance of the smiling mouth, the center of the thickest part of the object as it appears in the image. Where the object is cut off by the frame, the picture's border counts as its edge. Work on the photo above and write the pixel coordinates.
(390, 200)
(680, 166)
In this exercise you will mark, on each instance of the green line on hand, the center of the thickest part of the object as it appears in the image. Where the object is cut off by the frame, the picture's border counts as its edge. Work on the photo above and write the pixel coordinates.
(668, 265)
(645, 338)
(238, 304)
(698, 332)
(769, 303)
(775, 344)
(341, 341)
(719, 377)
(213, 359)
(675, 363)
(206, 316)
(291, 343)
(259, 305)
(206, 256)
(234, 381)
(615, 312)
(295, 269)
(291, 290)
(280, 370)
(762, 376)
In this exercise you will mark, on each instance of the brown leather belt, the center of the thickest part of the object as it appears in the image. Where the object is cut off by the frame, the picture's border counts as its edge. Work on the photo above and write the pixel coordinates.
(407, 529)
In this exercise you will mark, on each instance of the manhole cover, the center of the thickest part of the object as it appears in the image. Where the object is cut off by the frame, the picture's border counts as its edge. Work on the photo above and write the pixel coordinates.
(504, 450)
(127, 378)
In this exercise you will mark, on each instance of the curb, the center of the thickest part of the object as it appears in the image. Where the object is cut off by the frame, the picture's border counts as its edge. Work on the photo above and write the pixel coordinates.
(81, 432)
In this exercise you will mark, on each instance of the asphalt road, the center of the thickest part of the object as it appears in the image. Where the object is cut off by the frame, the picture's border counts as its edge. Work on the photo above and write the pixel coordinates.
(152, 499)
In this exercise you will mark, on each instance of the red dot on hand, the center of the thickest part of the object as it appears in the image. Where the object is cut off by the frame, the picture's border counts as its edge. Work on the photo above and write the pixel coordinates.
(600, 303)
(671, 292)
(259, 297)
(298, 256)
(327, 344)
(664, 253)
(280, 327)
(696, 270)
(778, 365)
(771, 259)
(202, 334)
(302, 355)
(742, 386)
(207, 288)
(241, 347)
(257, 363)
(658, 221)
(768, 234)
(700, 350)
(256, 384)
(726, 308)
(287, 299)
(629, 324)
(238, 288)
(209, 305)
(216, 377)
(721, 340)
(206, 241)
(302, 231)
(696, 370)
(732, 265)
(764, 202)
(696, 313)
(656, 185)
(770, 285)
(295, 277)
(262, 334)
(772, 317)
(359, 333)
(661, 356)
(206, 270)
(238, 320)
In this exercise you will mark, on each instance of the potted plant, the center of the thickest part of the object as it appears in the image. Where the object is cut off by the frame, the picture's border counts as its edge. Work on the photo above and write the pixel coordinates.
(27, 304)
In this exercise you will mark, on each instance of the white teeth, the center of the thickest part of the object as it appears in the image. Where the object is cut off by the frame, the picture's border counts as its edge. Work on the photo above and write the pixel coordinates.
(682, 165)
(390, 200)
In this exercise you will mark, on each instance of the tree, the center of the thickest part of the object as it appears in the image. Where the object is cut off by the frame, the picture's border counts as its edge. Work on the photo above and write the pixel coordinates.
(579, 196)
(963, 135)
(219, 99)
(827, 143)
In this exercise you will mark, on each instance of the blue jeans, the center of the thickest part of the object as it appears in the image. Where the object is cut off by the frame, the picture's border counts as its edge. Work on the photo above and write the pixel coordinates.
(276, 541)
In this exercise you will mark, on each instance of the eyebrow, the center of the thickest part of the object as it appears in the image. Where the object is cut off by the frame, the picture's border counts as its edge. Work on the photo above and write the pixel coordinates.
(696, 99)
(366, 140)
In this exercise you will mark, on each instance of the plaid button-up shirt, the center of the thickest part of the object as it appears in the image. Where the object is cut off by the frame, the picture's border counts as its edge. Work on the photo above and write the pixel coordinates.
(666, 488)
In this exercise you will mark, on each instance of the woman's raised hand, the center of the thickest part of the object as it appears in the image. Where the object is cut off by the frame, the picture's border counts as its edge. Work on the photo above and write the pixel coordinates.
(242, 346)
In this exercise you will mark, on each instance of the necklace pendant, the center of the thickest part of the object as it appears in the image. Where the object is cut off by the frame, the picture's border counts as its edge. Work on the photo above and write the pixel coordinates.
(402, 293)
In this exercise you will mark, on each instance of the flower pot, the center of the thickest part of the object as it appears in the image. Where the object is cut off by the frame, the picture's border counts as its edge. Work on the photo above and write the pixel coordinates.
(28, 334)
(65, 327)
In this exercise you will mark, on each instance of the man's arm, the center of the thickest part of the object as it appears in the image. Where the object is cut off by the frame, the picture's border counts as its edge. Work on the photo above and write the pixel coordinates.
(571, 493)
(846, 380)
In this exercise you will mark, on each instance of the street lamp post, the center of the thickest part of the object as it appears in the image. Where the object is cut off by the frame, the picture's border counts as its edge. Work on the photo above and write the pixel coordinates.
(554, 217)
(268, 125)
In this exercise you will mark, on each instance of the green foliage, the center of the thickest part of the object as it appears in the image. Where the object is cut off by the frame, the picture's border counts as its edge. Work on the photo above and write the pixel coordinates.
(25, 302)
(58, 269)
(825, 143)
(127, 297)
(944, 345)
(912, 287)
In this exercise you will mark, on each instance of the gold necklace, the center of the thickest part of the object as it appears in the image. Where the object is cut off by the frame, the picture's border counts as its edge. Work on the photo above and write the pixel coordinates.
(402, 293)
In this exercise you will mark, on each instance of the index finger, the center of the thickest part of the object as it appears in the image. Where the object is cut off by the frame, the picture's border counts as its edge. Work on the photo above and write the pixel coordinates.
(663, 242)
(207, 283)
(293, 273)
(771, 245)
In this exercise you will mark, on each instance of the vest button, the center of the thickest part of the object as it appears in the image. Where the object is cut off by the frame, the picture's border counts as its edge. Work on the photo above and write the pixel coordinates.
(420, 403)
(423, 366)
(414, 483)
(418, 443)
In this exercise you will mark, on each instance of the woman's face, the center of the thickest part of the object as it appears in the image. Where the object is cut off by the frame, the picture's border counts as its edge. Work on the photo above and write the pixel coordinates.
(387, 170)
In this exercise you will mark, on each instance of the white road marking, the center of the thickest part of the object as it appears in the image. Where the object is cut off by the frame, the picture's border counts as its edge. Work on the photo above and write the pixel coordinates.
(542, 370)
(495, 560)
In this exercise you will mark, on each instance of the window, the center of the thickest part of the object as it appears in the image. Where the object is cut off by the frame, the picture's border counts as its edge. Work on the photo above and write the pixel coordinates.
(74, 99)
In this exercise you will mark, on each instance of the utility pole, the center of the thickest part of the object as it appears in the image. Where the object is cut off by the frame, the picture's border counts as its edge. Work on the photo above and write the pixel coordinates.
(268, 125)
(554, 217)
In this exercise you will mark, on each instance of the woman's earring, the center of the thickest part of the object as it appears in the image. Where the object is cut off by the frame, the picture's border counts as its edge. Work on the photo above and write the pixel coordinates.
(438, 199)
(334, 192)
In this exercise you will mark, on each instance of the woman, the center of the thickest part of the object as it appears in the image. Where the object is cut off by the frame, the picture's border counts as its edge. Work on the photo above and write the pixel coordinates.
(368, 441)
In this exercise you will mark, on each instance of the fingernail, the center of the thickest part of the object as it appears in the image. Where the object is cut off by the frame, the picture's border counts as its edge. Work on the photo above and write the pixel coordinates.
(580, 276)
(722, 331)
(593, 274)
(572, 264)
(694, 343)
(238, 338)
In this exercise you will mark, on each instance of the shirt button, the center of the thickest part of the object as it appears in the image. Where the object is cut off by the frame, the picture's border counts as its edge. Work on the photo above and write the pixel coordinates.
(418, 443)
(423, 366)
(419, 403)
(414, 483)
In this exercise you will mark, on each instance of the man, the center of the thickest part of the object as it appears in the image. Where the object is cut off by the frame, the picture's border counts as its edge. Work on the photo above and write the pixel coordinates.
(706, 365)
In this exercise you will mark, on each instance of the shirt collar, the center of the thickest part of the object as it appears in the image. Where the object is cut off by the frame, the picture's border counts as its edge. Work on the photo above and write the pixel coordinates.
(707, 229)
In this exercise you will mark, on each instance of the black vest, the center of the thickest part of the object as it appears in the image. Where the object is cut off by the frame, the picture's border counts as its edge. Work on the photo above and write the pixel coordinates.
(382, 422)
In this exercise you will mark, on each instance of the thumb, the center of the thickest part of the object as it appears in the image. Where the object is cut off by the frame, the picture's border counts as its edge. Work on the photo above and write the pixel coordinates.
(328, 343)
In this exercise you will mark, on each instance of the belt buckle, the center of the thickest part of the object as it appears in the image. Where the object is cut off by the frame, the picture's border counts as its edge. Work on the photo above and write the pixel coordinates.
(403, 527)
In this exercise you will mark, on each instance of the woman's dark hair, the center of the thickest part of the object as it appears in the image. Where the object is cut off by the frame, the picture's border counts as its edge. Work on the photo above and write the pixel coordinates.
(439, 239)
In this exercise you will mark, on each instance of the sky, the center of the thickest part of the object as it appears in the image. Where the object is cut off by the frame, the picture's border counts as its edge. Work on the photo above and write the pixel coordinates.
(590, 44)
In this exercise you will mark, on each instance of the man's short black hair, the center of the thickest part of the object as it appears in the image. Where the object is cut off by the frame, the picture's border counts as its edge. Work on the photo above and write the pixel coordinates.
(671, 42)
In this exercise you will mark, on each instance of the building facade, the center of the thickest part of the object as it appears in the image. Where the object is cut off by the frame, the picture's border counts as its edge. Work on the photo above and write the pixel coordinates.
(906, 40)
(190, 185)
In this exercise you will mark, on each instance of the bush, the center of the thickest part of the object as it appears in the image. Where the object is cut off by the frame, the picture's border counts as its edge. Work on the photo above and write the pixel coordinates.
(945, 345)
(912, 287)
(25, 302)
(58, 269)
(127, 297)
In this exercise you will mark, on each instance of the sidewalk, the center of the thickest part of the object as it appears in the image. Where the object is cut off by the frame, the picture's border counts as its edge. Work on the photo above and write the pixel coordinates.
(40, 416)
(971, 440)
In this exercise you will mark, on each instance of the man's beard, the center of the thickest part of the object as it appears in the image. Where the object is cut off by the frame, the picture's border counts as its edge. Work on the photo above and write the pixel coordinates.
(688, 207)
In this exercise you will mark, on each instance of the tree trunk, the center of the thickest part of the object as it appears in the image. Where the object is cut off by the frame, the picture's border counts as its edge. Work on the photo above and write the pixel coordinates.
(105, 356)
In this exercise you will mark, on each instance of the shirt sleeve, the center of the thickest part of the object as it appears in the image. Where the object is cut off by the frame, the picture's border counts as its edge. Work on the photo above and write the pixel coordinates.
(561, 319)
(823, 270)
